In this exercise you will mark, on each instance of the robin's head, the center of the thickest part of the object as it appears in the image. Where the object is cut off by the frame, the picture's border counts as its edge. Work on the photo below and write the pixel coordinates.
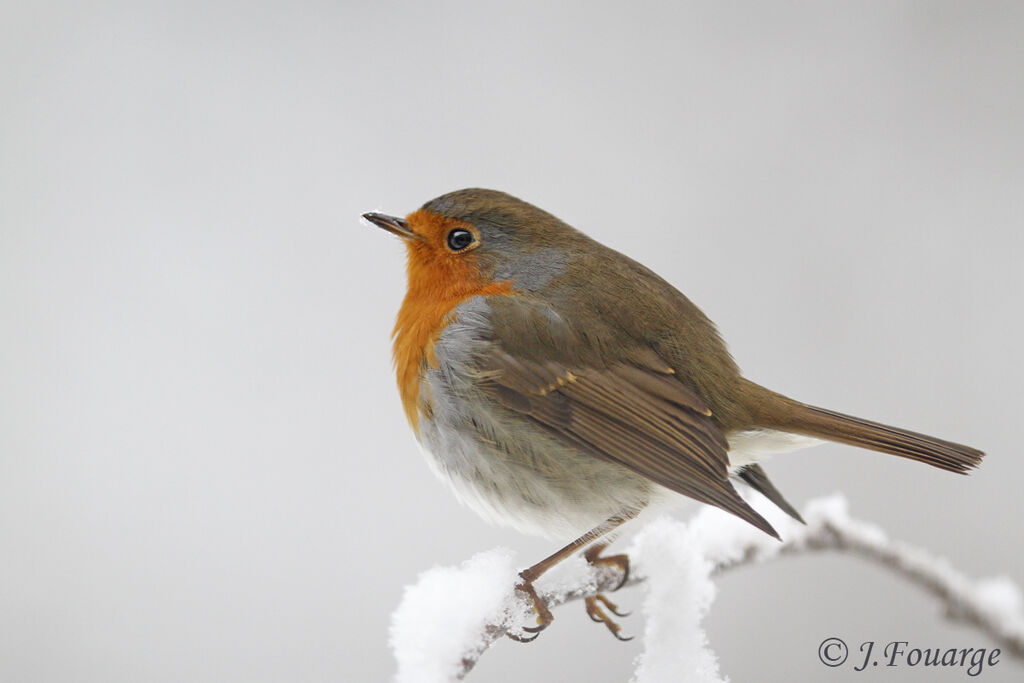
(472, 238)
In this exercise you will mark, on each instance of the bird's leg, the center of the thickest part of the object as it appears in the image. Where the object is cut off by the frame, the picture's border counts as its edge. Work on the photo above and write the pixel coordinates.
(531, 574)
(597, 604)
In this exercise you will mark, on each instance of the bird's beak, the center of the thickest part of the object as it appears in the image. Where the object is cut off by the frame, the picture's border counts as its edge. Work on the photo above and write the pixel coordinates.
(392, 224)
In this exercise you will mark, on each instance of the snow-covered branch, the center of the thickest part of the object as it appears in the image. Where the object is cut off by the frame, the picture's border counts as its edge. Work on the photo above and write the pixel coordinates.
(449, 618)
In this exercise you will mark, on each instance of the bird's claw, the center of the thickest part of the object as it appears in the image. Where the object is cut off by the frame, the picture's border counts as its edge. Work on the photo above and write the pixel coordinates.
(522, 639)
(597, 604)
(596, 613)
(620, 562)
(544, 616)
(612, 607)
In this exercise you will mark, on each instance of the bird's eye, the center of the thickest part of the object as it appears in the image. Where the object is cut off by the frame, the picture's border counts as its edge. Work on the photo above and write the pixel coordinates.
(459, 239)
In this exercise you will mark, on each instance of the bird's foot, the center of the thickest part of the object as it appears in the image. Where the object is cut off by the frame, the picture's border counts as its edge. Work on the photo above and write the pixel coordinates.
(597, 613)
(597, 604)
(544, 616)
(619, 562)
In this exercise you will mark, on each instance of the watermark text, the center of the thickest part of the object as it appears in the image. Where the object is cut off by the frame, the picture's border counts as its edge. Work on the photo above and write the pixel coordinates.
(834, 652)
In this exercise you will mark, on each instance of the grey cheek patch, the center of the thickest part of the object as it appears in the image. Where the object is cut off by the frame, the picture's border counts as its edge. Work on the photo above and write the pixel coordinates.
(531, 271)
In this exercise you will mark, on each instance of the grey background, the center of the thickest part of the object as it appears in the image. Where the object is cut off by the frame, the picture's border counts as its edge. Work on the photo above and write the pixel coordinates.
(205, 473)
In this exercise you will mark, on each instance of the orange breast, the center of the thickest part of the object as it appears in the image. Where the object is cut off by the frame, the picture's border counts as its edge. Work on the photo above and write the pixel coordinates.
(438, 282)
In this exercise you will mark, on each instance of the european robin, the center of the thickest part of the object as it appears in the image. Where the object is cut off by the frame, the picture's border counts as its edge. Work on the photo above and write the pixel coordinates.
(560, 387)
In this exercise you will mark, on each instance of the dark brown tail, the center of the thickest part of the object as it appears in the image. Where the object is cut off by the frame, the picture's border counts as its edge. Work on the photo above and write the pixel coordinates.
(785, 414)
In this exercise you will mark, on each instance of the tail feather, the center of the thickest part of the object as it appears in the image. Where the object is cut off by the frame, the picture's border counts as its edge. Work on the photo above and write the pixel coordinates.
(756, 478)
(793, 416)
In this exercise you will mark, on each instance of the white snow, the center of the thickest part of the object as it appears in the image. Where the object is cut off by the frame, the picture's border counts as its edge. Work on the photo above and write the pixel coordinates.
(679, 594)
(1000, 600)
(677, 561)
(442, 620)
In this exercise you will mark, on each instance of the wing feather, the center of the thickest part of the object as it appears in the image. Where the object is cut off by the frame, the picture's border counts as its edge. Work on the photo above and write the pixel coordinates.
(639, 417)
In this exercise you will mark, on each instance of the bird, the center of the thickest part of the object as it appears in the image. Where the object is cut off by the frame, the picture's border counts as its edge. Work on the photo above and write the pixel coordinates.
(561, 388)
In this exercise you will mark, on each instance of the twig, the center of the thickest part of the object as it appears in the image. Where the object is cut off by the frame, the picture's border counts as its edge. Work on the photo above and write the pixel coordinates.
(981, 604)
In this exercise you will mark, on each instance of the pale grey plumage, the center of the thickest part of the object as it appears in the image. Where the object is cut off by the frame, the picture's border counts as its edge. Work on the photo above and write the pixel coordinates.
(508, 471)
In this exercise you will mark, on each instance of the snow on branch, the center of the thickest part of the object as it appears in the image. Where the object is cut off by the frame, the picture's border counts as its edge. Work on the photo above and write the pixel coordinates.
(448, 619)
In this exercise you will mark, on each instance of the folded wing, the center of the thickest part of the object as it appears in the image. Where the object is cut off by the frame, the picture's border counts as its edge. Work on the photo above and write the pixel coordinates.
(631, 414)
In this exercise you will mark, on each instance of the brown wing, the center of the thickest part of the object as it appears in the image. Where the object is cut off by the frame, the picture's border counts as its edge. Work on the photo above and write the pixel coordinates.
(639, 417)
